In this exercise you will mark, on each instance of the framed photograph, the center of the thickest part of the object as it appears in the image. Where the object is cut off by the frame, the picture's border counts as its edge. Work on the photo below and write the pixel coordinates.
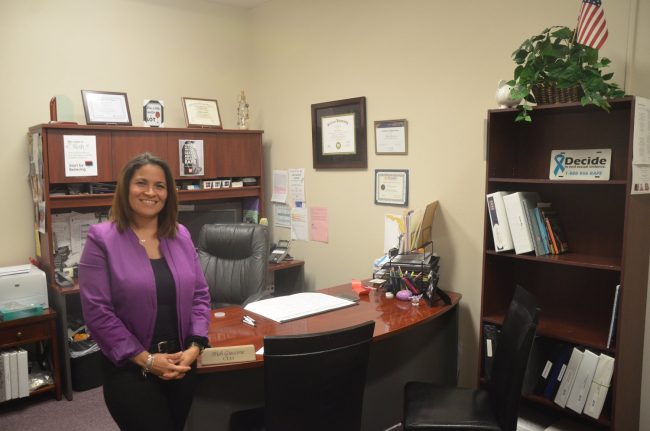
(391, 137)
(392, 187)
(339, 134)
(216, 184)
(201, 113)
(106, 107)
(190, 156)
(225, 184)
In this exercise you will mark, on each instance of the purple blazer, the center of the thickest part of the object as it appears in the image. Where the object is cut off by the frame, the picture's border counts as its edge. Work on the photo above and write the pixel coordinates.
(118, 290)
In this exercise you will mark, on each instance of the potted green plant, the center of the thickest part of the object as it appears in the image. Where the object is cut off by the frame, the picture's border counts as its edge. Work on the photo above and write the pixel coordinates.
(552, 67)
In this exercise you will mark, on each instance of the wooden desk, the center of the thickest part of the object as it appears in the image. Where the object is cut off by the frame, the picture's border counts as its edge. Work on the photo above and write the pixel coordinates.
(409, 343)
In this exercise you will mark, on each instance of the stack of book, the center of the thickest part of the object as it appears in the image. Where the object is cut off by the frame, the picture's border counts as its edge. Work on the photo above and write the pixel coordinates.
(522, 222)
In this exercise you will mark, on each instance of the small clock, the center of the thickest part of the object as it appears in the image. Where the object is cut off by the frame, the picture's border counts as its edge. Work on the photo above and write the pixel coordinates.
(153, 113)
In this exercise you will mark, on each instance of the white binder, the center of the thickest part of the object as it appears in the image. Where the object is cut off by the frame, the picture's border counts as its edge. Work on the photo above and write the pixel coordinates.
(569, 377)
(517, 205)
(499, 222)
(599, 386)
(584, 377)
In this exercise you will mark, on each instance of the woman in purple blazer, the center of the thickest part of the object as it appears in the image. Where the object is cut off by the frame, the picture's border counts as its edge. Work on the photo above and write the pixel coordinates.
(145, 300)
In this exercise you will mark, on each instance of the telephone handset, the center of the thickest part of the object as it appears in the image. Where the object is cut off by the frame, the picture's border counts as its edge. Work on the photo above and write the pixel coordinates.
(280, 252)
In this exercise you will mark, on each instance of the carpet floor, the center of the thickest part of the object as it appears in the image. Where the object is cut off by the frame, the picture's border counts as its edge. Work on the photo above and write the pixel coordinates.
(86, 411)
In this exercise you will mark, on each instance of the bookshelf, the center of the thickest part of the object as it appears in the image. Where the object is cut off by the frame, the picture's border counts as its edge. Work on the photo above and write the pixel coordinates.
(227, 154)
(609, 241)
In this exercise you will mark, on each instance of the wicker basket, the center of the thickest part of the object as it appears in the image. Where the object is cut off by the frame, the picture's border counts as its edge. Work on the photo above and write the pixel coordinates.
(548, 94)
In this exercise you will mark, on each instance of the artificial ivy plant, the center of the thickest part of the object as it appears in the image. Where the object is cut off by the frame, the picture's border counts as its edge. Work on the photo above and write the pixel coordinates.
(553, 58)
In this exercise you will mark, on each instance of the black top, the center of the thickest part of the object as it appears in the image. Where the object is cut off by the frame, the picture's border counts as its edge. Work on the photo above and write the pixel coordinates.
(166, 328)
(166, 322)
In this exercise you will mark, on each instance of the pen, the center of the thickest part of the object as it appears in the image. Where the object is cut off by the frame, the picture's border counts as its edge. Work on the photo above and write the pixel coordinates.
(248, 322)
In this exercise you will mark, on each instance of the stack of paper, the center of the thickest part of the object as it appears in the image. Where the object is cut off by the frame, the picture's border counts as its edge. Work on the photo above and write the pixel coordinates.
(290, 307)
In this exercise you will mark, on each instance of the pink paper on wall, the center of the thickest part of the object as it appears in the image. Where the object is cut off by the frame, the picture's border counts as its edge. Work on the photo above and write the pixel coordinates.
(318, 224)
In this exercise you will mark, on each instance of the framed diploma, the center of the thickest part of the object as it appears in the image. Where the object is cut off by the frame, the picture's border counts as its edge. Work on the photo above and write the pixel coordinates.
(106, 107)
(392, 187)
(201, 113)
(339, 134)
(391, 137)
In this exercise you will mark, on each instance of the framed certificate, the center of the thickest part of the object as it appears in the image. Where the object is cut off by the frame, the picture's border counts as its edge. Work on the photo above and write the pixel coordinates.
(392, 187)
(391, 137)
(201, 113)
(339, 134)
(106, 107)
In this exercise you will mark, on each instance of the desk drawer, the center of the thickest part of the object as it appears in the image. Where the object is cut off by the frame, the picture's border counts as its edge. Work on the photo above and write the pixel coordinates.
(24, 333)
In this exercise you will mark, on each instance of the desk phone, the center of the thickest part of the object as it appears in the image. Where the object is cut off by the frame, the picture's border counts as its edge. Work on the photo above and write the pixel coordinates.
(279, 252)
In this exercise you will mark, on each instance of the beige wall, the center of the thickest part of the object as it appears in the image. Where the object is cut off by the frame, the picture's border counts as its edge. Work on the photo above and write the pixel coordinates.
(434, 63)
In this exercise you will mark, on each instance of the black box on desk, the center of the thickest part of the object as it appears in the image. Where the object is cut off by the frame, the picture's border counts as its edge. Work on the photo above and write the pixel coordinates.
(86, 371)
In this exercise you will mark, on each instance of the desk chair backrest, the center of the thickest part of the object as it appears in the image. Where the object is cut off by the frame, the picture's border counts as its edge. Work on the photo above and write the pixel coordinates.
(234, 258)
(511, 357)
(316, 381)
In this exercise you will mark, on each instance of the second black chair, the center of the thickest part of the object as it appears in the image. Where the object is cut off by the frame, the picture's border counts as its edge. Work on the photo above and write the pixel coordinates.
(431, 407)
(312, 382)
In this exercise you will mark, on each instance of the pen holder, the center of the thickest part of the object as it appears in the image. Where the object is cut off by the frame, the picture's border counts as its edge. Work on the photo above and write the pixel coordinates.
(395, 284)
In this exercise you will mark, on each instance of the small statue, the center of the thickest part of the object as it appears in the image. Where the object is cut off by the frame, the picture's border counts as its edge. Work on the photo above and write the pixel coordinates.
(242, 111)
(503, 96)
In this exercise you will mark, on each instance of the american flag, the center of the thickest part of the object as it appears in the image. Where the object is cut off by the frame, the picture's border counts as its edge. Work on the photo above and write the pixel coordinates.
(592, 27)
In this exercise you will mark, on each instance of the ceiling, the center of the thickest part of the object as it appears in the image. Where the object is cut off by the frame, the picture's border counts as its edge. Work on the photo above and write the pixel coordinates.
(246, 4)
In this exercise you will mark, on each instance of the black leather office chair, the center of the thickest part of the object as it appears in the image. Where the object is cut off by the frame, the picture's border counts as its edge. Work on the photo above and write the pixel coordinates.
(312, 382)
(234, 258)
(431, 407)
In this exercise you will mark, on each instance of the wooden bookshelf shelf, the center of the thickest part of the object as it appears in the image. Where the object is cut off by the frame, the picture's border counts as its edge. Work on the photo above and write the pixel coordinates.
(608, 237)
(572, 259)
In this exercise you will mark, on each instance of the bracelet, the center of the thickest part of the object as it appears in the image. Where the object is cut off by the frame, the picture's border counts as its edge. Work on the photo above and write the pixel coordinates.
(147, 365)
(200, 346)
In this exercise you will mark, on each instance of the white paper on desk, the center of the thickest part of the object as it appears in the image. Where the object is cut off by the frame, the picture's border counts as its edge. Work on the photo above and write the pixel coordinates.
(290, 307)
(299, 224)
(280, 181)
(281, 215)
(80, 155)
(296, 185)
(641, 140)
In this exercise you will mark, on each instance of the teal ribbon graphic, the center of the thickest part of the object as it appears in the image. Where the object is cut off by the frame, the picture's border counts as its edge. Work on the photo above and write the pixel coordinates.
(559, 160)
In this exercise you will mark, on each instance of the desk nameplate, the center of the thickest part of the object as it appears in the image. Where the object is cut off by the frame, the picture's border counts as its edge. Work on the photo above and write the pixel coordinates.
(228, 354)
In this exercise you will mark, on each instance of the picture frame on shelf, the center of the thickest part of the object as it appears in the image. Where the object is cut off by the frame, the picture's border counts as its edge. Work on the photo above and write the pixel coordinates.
(153, 113)
(391, 137)
(339, 134)
(201, 112)
(106, 107)
(392, 187)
